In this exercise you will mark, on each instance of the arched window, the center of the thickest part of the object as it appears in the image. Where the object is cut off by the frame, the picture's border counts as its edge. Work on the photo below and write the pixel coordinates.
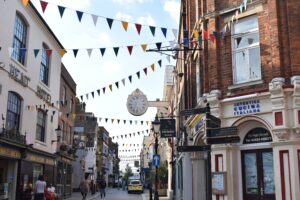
(19, 40)
(13, 111)
(45, 63)
(41, 125)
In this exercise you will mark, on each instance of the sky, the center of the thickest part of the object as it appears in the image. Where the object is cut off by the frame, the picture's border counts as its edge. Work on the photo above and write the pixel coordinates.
(95, 72)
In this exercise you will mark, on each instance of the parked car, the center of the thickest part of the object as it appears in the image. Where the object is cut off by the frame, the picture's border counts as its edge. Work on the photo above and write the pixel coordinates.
(135, 186)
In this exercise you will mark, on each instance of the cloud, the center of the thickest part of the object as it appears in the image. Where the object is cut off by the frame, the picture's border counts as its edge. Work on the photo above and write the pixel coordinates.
(147, 20)
(123, 2)
(124, 17)
(173, 8)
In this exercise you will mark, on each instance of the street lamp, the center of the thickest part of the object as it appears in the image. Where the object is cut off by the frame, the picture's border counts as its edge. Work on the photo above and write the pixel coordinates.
(156, 127)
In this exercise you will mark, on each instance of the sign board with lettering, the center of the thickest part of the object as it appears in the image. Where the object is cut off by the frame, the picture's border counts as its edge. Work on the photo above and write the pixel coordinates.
(212, 121)
(223, 140)
(167, 128)
(221, 132)
(42, 94)
(257, 135)
(193, 148)
(246, 107)
(18, 76)
(195, 111)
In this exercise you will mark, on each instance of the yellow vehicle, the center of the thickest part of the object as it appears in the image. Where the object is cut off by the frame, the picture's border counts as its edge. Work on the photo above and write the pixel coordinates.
(135, 186)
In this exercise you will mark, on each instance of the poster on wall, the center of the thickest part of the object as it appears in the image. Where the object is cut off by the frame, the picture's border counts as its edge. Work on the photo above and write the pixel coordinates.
(219, 180)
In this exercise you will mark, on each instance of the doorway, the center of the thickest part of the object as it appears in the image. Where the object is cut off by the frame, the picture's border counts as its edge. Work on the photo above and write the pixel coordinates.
(258, 174)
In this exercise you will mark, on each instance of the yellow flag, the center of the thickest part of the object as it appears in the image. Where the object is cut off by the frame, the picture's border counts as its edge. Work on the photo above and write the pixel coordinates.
(144, 47)
(196, 34)
(152, 67)
(125, 25)
(110, 87)
(25, 2)
(62, 52)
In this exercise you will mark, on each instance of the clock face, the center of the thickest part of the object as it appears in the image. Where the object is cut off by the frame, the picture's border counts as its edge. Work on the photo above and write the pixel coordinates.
(137, 104)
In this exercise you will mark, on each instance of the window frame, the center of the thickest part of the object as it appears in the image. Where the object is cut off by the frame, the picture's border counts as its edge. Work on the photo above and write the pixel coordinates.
(245, 49)
(45, 66)
(20, 30)
(17, 113)
(43, 127)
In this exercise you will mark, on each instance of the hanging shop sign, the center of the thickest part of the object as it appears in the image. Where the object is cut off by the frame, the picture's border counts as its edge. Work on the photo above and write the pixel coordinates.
(167, 128)
(18, 76)
(246, 107)
(41, 93)
(257, 135)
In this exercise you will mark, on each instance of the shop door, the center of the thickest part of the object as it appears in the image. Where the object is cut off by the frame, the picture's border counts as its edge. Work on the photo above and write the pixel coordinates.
(258, 175)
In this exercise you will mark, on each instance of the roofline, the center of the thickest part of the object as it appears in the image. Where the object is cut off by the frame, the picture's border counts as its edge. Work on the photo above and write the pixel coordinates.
(45, 23)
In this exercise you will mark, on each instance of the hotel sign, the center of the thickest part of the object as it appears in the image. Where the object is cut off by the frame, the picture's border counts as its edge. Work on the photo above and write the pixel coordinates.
(246, 107)
(18, 76)
(40, 92)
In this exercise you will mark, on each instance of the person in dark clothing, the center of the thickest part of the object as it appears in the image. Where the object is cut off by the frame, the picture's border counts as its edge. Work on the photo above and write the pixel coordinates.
(102, 188)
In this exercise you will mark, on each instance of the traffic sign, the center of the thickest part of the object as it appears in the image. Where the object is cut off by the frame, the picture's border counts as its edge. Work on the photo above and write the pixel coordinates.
(156, 160)
(221, 132)
(193, 148)
(223, 140)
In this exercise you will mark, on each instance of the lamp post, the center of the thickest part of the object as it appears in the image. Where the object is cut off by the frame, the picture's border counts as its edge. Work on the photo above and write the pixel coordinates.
(156, 127)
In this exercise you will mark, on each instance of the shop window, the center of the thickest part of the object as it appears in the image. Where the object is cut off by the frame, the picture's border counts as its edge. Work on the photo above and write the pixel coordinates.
(246, 51)
(37, 171)
(45, 64)
(41, 126)
(13, 111)
(19, 39)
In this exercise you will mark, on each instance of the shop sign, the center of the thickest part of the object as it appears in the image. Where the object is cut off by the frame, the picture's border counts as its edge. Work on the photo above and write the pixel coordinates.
(40, 92)
(8, 152)
(18, 76)
(39, 159)
(167, 128)
(246, 107)
(258, 135)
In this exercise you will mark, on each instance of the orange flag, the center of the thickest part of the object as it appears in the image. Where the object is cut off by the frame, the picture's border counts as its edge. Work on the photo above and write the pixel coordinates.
(152, 67)
(25, 2)
(144, 47)
(62, 52)
(125, 25)
(110, 87)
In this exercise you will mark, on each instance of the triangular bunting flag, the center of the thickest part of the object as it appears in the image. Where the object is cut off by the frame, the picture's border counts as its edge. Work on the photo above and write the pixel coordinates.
(138, 28)
(36, 52)
(89, 51)
(186, 42)
(164, 31)
(61, 10)
(100, 119)
(200, 39)
(109, 22)
(129, 49)
(145, 71)
(116, 50)
(87, 96)
(158, 45)
(98, 91)
(123, 81)
(125, 25)
(152, 29)
(152, 67)
(175, 32)
(159, 62)
(25, 2)
(112, 121)
(138, 75)
(103, 90)
(75, 51)
(62, 52)
(124, 121)
(130, 121)
(205, 34)
(117, 84)
(196, 34)
(49, 52)
(130, 78)
(92, 94)
(102, 50)
(95, 19)
(216, 34)
(106, 120)
(118, 121)
(212, 37)
(44, 5)
(79, 15)
(144, 47)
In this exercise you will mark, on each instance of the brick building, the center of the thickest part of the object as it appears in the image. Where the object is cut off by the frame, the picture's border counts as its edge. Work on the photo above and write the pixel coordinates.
(241, 57)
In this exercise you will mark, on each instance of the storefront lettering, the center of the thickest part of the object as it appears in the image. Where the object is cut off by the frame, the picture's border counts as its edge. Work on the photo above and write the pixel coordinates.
(258, 135)
(43, 94)
(246, 107)
(18, 76)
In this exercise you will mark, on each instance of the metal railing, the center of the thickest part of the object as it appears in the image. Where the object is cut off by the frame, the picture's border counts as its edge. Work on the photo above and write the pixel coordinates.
(13, 136)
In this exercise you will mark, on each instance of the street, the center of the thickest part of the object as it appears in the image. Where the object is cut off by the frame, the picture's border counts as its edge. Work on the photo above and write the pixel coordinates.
(113, 194)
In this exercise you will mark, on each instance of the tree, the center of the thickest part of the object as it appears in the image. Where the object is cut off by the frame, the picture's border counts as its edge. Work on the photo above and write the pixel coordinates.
(128, 173)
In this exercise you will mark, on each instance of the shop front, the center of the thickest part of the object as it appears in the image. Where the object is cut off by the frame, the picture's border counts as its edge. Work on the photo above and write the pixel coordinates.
(64, 176)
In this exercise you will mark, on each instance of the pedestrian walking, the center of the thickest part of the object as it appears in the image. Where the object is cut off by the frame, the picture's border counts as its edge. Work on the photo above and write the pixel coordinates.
(84, 188)
(102, 189)
(40, 186)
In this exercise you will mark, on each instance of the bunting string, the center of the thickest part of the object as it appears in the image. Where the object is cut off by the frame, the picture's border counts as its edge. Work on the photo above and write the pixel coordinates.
(133, 134)
(110, 21)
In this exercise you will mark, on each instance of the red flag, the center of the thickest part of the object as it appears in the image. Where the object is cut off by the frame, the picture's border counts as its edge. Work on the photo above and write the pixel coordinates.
(129, 49)
(138, 28)
(212, 37)
(49, 52)
(145, 70)
(44, 5)
(205, 34)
